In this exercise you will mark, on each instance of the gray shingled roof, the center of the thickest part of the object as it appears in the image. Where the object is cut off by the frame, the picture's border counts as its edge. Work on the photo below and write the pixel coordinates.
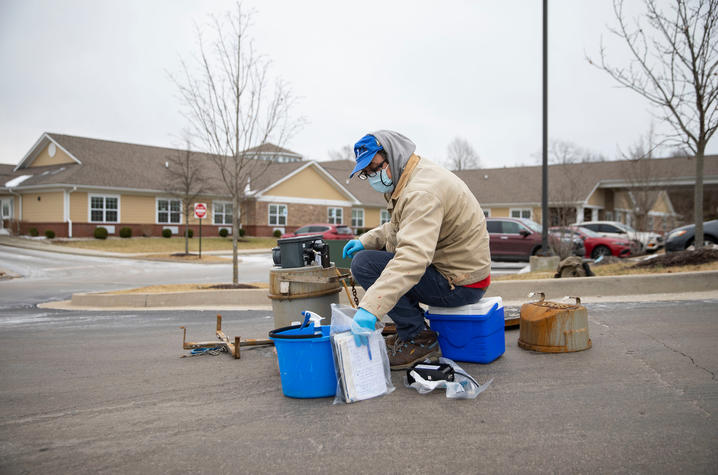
(270, 148)
(123, 165)
(573, 182)
(340, 170)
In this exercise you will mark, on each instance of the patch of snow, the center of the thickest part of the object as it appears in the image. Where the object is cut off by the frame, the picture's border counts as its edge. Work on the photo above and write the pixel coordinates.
(16, 181)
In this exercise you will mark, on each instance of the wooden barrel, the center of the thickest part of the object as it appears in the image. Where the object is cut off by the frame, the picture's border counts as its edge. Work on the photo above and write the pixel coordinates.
(296, 289)
(552, 327)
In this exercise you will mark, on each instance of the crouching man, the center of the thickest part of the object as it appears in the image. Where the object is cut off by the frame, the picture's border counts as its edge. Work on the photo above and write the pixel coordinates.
(434, 250)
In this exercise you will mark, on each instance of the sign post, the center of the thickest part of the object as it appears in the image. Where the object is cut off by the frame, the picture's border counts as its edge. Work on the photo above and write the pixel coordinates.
(200, 211)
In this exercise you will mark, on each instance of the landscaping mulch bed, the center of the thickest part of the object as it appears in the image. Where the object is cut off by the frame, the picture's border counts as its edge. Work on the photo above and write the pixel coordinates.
(683, 258)
(233, 286)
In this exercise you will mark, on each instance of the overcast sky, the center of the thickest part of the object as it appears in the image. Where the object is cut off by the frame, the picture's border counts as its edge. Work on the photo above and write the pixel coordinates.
(431, 70)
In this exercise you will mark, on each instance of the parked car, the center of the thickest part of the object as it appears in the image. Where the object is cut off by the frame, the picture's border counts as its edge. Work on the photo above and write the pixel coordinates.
(517, 239)
(647, 241)
(683, 238)
(328, 231)
(595, 244)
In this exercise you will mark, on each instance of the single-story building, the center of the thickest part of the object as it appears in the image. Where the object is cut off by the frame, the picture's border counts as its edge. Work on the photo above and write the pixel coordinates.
(72, 185)
(658, 194)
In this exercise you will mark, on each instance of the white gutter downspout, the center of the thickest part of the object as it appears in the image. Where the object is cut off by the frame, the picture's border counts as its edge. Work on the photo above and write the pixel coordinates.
(67, 216)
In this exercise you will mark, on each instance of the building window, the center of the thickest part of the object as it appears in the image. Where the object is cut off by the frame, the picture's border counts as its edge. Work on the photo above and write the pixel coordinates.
(334, 215)
(222, 212)
(385, 217)
(521, 213)
(6, 208)
(277, 215)
(104, 209)
(358, 218)
(169, 211)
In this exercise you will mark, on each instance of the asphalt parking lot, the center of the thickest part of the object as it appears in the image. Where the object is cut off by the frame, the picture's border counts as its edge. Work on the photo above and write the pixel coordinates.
(106, 392)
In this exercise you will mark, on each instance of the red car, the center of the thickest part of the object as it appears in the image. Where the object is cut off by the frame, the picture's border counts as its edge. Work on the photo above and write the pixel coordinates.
(328, 231)
(597, 245)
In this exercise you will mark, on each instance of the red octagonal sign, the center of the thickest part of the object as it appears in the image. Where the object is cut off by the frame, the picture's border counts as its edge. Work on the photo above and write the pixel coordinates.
(200, 210)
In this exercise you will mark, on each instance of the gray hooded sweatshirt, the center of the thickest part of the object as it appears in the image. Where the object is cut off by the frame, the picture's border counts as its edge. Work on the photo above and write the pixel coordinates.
(398, 151)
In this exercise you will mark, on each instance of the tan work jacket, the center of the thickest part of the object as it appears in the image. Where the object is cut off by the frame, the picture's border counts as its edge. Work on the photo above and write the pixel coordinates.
(435, 219)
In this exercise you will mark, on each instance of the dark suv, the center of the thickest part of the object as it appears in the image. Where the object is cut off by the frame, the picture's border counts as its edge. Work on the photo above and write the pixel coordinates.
(513, 239)
(517, 239)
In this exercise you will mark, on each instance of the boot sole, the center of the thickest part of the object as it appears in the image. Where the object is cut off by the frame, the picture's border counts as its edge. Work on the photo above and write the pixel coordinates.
(434, 354)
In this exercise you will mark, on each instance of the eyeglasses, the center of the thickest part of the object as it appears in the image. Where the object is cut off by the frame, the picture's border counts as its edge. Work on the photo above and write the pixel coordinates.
(371, 172)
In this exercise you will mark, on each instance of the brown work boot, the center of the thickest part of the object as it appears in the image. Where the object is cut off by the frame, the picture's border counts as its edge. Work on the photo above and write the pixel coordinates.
(390, 340)
(403, 354)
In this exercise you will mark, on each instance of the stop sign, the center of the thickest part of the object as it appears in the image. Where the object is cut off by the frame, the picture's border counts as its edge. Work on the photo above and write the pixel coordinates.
(200, 210)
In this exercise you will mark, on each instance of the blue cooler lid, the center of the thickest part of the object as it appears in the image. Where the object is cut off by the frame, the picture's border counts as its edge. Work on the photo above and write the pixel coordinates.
(482, 307)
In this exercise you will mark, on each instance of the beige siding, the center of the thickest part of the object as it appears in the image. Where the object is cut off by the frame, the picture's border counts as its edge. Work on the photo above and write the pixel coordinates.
(499, 212)
(308, 184)
(49, 208)
(79, 207)
(621, 200)
(661, 205)
(137, 209)
(598, 198)
(372, 216)
(44, 158)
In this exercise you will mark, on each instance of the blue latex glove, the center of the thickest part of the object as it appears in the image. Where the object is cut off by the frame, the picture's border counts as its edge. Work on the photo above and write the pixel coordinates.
(363, 321)
(352, 248)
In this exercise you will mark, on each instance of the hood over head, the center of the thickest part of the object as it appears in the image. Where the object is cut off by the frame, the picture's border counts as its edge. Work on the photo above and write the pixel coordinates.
(398, 150)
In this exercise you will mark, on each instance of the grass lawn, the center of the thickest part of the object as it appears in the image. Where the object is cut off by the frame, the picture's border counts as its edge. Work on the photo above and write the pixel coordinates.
(160, 245)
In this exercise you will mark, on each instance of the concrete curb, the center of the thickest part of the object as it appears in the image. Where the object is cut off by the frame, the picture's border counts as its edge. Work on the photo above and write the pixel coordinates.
(243, 297)
(618, 287)
(605, 286)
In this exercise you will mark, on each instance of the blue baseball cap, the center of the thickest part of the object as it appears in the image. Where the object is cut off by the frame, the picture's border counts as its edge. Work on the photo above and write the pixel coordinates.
(364, 150)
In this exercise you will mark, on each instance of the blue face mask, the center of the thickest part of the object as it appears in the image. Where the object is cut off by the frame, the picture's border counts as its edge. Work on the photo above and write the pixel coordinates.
(378, 182)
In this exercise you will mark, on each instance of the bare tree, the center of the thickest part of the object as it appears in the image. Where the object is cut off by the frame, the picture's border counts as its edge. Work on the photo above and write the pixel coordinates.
(461, 155)
(564, 151)
(344, 153)
(233, 107)
(186, 181)
(639, 170)
(561, 152)
(564, 158)
(674, 65)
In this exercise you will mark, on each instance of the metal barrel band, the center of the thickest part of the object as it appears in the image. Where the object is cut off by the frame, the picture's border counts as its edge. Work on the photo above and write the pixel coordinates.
(317, 293)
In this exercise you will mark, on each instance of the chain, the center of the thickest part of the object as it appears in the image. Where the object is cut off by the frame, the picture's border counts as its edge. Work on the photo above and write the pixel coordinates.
(354, 293)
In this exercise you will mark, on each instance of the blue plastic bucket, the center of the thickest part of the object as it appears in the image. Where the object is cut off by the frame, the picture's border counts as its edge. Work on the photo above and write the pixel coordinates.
(473, 333)
(306, 364)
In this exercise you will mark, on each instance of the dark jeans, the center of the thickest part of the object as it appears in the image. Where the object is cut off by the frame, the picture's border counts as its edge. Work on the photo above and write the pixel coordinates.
(432, 289)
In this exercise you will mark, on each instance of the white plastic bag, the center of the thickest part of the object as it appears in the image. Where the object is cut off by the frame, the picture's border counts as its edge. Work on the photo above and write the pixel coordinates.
(362, 371)
(462, 387)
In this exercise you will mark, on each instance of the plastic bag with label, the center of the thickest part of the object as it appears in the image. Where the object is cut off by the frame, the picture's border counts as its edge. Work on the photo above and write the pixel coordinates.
(362, 371)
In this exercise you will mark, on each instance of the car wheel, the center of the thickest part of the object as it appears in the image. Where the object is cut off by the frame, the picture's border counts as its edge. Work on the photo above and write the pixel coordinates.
(599, 251)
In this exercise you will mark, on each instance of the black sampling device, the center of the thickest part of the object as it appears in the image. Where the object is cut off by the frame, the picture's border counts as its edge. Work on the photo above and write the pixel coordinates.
(431, 371)
(301, 251)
